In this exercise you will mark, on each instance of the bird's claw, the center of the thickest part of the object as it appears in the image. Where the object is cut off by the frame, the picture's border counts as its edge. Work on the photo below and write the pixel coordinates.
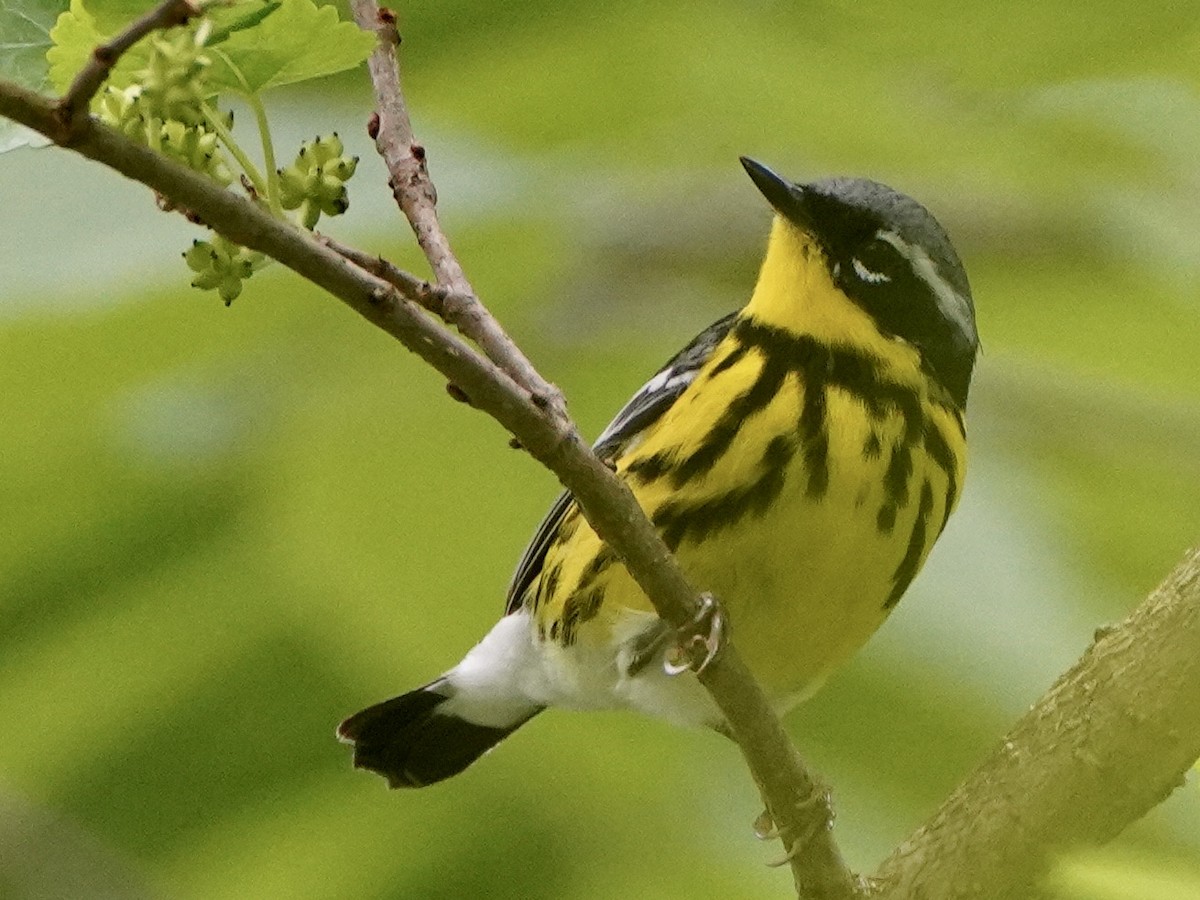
(699, 642)
(765, 827)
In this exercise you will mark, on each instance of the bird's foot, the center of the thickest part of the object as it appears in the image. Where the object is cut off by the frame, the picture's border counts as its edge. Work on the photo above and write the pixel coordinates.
(694, 646)
(698, 643)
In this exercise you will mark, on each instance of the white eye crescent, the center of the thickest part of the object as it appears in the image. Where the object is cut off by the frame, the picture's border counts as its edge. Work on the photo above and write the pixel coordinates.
(868, 275)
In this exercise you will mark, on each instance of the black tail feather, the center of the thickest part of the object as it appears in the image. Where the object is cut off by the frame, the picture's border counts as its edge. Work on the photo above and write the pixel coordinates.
(411, 744)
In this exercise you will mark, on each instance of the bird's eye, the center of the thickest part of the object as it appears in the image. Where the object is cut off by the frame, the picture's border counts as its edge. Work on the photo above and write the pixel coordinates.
(876, 262)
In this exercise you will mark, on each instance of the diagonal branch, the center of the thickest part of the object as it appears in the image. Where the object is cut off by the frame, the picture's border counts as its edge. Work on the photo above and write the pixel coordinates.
(100, 64)
(799, 807)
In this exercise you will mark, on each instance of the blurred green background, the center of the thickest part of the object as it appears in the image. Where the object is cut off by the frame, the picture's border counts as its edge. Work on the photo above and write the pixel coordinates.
(226, 529)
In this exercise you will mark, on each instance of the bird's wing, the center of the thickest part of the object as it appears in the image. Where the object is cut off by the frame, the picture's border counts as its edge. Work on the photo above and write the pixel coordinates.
(643, 410)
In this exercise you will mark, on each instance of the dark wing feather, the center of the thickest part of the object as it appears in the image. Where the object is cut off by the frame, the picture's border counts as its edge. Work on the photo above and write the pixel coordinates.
(643, 410)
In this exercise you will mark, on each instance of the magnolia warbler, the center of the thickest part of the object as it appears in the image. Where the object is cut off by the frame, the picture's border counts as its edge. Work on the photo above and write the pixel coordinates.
(799, 457)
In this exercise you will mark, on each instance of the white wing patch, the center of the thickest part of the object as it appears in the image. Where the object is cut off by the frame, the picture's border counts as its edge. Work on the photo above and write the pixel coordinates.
(671, 380)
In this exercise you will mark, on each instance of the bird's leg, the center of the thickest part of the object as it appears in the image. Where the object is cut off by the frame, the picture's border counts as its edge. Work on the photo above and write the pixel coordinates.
(694, 646)
(647, 645)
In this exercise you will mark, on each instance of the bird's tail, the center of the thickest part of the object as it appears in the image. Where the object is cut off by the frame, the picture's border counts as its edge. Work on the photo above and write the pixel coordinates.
(422, 737)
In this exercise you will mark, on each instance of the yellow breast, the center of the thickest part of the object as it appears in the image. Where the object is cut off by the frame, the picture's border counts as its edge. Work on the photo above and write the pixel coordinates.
(801, 478)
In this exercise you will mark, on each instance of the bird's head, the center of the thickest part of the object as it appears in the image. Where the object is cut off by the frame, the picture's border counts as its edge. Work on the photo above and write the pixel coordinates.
(842, 246)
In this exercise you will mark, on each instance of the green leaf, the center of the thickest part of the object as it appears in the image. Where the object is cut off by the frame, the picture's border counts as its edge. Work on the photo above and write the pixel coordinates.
(297, 42)
(76, 34)
(24, 39)
(113, 15)
(80, 30)
(249, 20)
(269, 43)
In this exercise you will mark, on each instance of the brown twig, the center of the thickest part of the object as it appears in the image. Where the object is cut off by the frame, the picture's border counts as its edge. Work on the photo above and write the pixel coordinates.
(99, 66)
(438, 299)
(408, 177)
(607, 502)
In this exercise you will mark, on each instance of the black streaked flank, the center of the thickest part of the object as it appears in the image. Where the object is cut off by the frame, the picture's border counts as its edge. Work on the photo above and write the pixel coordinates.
(650, 468)
(591, 603)
(872, 446)
(820, 367)
(907, 570)
(732, 358)
(813, 434)
(717, 441)
(958, 418)
(895, 482)
(604, 557)
(659, 394)
(570, 619)
(555, 528)
(548, 586)
(579, 608)
(939, 451)
(570, 521)
(677, 520)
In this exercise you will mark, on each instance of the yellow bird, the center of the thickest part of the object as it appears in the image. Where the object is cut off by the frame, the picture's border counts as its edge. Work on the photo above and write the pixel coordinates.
(800, 457)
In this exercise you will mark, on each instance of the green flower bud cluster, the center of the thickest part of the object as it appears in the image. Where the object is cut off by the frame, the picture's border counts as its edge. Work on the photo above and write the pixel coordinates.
(162, 108)
(120, 109)
(193, 145)
(221, 266)
(315, 182)
(173, 84)
(196, 149)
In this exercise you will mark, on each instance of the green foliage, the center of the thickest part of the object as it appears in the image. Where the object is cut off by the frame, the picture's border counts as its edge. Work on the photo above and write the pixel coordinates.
(297, 42)
(163, 93)
(262, 45)
(75, 35)
(24, 39)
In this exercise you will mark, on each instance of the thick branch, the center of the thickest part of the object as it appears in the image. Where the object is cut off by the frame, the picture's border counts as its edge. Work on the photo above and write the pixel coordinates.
(606, 502)
(167, 14)
(1113, 737)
